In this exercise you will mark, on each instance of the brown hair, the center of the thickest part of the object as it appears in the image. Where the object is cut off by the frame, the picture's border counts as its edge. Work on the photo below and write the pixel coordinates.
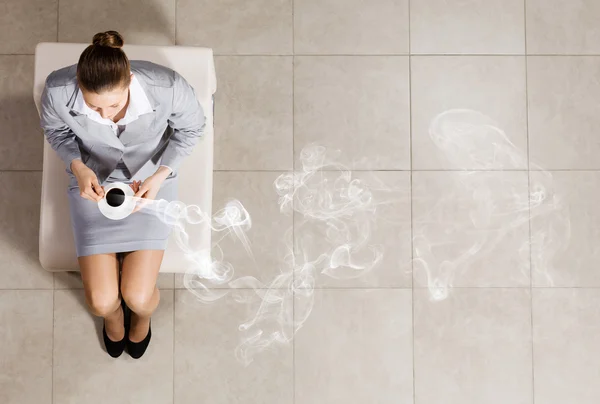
(103, 66)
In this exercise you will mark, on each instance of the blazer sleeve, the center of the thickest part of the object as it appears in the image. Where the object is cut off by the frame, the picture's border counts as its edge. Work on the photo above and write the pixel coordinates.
(188, 122)
(61, 138)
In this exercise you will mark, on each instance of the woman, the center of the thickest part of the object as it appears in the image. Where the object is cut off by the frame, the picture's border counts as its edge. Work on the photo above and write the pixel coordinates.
(114, 121)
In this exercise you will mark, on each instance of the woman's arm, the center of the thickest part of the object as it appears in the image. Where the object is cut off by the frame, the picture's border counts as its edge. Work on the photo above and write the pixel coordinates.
(64, 142)
(187, 121)
(59, 135)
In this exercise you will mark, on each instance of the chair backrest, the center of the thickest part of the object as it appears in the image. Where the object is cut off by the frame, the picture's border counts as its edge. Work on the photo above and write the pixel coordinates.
(196, 65)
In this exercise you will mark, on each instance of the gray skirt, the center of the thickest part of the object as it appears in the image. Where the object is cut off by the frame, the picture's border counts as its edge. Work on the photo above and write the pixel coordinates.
(96, 234)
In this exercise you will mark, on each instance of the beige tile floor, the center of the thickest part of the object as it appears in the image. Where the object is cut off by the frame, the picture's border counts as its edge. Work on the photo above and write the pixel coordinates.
(521, 325)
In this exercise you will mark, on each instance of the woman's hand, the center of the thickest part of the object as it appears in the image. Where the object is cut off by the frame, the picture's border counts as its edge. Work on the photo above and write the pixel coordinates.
(150, 187)
(89, 188)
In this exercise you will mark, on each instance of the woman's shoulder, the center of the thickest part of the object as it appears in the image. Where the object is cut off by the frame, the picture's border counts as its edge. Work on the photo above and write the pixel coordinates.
(66, 76)
(153, 73)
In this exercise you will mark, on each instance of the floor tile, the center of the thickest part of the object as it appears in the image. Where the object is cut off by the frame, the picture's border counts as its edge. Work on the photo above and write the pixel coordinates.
(375, 226)
(359, 105)
(563, 97)
(356, 347)
(470, 229)
(565, 228)
(467, 26)
(19, 220)
(67, 280)
(140, 22)
(72, 280)
(260, 27)
(26, 346)
(473, 347)
(471, 94)
(253, 113)
(84, 372)
(165, 281)
(206, 367)
(563, 27)
(25, 23)
(350, 27)
(21, 140)
(565, 337)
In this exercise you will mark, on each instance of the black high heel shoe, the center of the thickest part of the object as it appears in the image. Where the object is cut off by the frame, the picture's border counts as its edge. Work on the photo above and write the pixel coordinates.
(116, 348)
(137, 349)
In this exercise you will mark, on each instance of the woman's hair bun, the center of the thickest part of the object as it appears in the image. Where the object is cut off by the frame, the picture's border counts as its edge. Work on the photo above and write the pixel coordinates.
(111, 39)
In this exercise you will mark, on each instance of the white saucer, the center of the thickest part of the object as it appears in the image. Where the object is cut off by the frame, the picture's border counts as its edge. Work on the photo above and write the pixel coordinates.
(118, 212)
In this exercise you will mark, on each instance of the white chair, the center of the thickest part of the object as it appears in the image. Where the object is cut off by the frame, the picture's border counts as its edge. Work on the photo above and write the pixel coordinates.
(57, 249)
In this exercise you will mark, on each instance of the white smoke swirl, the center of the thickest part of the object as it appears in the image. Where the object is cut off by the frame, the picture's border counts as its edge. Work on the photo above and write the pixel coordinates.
(498, 204)
(323, 194)
(335, 216)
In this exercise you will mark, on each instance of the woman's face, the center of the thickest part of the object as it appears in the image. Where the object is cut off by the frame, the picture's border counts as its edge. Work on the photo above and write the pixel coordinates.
(109, 103)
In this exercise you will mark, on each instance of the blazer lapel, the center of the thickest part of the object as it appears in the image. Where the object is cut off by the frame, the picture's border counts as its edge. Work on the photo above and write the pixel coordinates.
(96, 131)
(138, 128)
(141, 126)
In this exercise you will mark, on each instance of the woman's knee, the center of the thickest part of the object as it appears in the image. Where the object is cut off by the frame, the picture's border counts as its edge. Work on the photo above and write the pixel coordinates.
(100, 276)
(102, 303)
(140, 301)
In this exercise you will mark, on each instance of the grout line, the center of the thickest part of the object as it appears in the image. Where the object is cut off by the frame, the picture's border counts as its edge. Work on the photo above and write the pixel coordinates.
(316, 55)
(175, 39)
(412, 267)
(464, 54)
(174, 301)
(309, 54)
(57, 20)
(525, 24)
(371, 55)
(52, 359)
(293, 89)
(406, 170)
(293, 113)
(293, 326)
(409, 35)
(351, 288)
(593, 55)
(531, 270)
(532, 356)
(512, 170)
(418, 170)
(441, 170)
(293, 30)
(293, 215)
(293, 333)
(392, 54)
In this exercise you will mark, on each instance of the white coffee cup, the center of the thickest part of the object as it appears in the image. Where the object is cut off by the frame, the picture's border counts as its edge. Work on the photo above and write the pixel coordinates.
(118, 201)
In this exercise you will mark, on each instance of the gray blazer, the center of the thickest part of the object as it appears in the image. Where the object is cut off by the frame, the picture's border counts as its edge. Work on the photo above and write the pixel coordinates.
(164, 136)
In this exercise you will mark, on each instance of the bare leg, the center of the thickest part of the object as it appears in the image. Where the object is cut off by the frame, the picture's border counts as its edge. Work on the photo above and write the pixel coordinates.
(100, 275)
(138, 287)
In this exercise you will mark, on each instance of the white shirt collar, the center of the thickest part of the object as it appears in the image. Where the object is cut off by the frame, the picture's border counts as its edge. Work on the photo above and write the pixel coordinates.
(138, 105)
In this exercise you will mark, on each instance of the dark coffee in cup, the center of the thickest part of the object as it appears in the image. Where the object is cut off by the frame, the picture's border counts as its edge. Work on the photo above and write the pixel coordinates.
(115, 197)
